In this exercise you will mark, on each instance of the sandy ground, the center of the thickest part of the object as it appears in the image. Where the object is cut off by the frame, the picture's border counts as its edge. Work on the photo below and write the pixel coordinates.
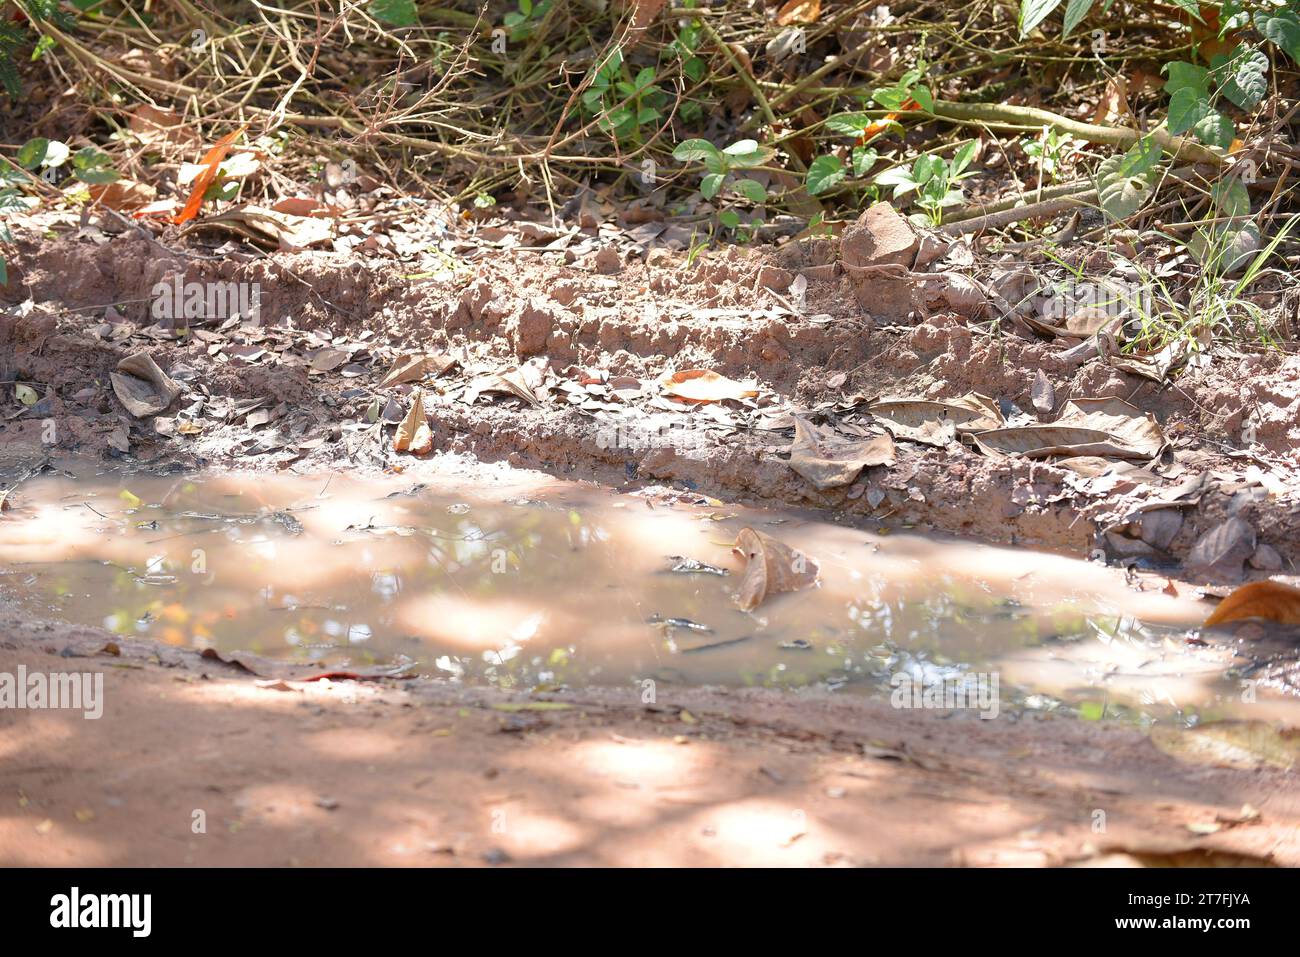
(421, 773)
(416, 772)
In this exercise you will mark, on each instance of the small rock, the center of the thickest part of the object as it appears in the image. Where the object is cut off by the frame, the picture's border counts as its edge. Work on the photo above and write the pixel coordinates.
(607, 261)
(775, 278)
(531, 328)
(1266, 558)
(881, 237)
(1222, 551)
(1160, 526)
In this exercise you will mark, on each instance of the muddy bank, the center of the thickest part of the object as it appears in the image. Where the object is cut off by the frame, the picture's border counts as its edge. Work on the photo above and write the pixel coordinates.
(421, 772)
(1222, 493)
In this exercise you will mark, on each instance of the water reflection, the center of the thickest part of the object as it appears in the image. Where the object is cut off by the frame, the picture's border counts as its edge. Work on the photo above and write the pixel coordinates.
(573, 584)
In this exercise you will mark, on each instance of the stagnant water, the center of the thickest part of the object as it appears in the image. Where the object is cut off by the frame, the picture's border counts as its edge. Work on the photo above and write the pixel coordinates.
(568, 584)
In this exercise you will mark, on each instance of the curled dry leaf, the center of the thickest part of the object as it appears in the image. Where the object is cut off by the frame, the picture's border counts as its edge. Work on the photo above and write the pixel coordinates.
(703, 385)
(937, 422)
(413, 433)
(412, 367)
(829, 460)
(142, 387)
(1271, 600)
(771, 567)
(1105, 427)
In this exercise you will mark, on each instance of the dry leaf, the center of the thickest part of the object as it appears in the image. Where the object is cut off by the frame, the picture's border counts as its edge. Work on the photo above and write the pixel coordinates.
(211, 161)
(510, 382)
(702, 385)
(413, 433)
(771, 567)
(799, 11)
(142, 387)
(4, 499)
(1113, 108)
(829, 460)
(123, 195)
(412, 367)
(937, 422)
(1105, 427)
(1268, 599)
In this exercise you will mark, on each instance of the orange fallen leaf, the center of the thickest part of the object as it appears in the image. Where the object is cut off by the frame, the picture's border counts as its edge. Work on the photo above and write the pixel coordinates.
(1267, 599)
(211, 162)
(799, 11)
(704, 385)
(771, 567)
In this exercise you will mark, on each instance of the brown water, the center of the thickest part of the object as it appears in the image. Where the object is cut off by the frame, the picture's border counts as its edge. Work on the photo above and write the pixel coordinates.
(550, 584)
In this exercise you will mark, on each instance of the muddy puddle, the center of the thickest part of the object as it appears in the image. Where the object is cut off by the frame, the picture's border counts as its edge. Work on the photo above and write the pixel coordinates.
(550, 584)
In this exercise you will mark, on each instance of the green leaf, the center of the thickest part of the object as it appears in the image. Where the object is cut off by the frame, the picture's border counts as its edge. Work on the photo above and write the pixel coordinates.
(848, 124)
(1186, 75)
(32, 153)
(729, 218)
(711, 184)
(645, 78)
(56, 154)
(4, 272)
(1283, 28)
(752, 190)
(1034, 12)
(892, 98)
(924, 98)
(25, 394)
(1123, 184)
(824, 173)
(863, 160)
(694, 69)
(1214, 129)
(927, 167)
(1245, 74)
(399, 13)
(1075, 11)
(963, 157)
(689, 151)
(1231, 198)
(741, 148)
(748, 154)
(1187, 107)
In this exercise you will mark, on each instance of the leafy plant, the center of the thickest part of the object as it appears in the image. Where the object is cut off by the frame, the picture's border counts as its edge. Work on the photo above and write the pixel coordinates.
(1125, 181)
(684, 47)
(624, 103)
(933, 179)
(724, 173)
(1051, 151)
(523, 21)
(14, 35)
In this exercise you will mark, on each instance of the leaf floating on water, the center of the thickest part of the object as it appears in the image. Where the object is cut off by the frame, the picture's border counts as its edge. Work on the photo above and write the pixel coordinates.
(703, 385)
(1271, 600)
(413, 433)
(1231, 744)
(830, 461)
(688, 566)
(771, 567)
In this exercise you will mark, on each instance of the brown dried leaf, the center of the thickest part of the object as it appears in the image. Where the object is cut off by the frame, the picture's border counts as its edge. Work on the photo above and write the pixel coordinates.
(771, 567)
(142, 387)
(412, 367)
(937, 422)
(829, 460)
(799, 11)
(1105, 427)
(413, 433)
